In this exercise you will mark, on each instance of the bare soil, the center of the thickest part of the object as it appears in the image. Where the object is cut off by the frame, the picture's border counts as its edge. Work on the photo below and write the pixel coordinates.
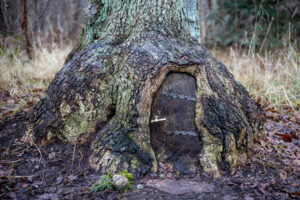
(61, 171)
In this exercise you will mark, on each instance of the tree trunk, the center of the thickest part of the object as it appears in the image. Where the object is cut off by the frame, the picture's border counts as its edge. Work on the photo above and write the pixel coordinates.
(25, 29)
(143, 89)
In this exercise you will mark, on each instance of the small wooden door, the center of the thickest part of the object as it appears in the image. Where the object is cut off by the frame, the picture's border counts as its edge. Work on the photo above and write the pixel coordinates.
(173, 132)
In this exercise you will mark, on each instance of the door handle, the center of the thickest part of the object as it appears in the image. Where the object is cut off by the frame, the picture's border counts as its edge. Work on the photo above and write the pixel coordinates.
(157, 120)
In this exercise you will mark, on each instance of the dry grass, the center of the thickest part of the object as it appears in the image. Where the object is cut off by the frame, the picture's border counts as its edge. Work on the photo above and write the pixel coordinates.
(273, 78)
(18, 75)
(22, 80)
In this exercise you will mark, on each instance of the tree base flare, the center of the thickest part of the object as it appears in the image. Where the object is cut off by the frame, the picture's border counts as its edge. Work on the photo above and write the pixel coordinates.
(109, 91)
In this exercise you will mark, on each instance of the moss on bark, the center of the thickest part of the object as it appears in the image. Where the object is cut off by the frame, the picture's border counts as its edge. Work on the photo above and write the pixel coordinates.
(126, 50)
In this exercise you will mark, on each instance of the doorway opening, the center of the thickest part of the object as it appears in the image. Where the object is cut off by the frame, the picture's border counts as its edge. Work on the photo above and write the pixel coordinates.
(174, 136)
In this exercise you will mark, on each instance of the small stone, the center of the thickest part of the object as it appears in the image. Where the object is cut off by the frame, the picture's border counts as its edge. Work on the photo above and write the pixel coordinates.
(29, 178)
(37, 167)
(120, 181)
(50, 135)
(139, 187)
(59, 180)
(162, 176)
(51, 155)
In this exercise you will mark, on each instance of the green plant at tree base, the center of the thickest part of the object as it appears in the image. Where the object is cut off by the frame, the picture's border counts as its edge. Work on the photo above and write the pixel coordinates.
(106, 182)
(127, 175)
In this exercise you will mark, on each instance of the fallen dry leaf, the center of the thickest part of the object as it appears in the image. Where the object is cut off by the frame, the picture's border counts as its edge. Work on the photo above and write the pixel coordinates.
(270, 109)
(286, 137)
(37, 90)
(30, 103)
(7, 113)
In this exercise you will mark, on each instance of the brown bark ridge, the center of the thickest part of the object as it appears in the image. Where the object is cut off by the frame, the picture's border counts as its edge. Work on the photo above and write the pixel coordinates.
(147, 92)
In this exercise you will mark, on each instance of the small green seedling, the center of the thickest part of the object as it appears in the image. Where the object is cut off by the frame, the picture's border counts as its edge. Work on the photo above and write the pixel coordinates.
(127, 175)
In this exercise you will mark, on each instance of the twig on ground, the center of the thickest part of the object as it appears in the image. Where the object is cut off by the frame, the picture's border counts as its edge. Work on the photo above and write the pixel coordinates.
(8, 162)
(10, 177)
(11, 142)
(73, 157)
(41, 156)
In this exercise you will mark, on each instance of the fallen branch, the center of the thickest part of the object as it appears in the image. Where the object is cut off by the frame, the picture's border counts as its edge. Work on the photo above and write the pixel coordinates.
(10, 177)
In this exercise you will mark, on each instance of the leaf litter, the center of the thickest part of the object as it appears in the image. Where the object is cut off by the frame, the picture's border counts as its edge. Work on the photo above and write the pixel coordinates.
(55, 171)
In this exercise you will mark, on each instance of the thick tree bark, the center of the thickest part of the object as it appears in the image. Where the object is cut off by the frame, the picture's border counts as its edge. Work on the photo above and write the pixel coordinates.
(143, 87)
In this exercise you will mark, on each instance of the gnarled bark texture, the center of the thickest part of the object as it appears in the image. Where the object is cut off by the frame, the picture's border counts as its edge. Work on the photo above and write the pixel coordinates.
(134, 57)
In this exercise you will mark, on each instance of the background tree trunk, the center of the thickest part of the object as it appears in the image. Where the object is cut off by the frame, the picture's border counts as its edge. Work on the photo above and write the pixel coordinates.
(54, 19)
(25, 29)
(108, 92)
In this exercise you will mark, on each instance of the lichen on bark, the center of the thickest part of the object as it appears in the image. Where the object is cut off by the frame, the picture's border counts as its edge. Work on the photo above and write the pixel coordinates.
(107, 86)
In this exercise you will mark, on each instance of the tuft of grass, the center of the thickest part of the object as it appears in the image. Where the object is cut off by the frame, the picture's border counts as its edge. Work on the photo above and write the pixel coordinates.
(272, 78)
(19, 75)
(105, 183)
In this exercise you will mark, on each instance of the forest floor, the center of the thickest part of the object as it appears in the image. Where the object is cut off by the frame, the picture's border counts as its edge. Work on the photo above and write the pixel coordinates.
(60, 171)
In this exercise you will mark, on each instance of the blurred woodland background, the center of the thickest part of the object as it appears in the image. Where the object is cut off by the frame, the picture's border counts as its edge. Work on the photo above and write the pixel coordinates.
(49, 21)
(259, 23)
(258, 40)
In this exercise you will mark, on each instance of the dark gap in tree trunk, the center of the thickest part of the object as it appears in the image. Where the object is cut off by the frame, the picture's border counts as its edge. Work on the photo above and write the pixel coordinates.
(174, 136)
(157, 69)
